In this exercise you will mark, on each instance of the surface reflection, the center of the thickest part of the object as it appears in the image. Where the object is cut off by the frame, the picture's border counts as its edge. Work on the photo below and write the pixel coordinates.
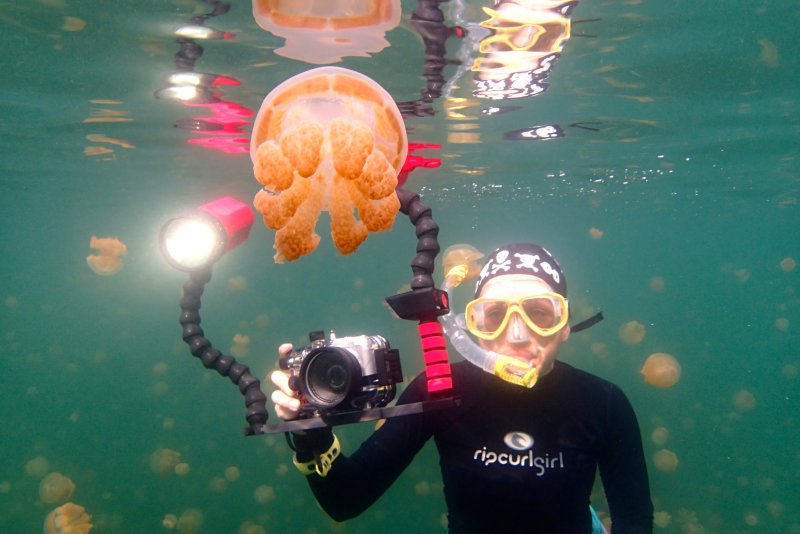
(325, 31)
(222, 129)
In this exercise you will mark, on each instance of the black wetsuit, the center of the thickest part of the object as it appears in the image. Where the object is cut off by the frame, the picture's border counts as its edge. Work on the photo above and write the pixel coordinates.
(512, 459)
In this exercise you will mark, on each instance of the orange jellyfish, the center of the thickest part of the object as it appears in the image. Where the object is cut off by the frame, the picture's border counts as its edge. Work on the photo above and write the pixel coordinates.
(661, 370)
(462, 254)
(55, 487)
(190, 521)
(68, 518)
(324, 32)
(632, 333)
(329, 139)
(108, 259)
(665, 460)
(163, 461)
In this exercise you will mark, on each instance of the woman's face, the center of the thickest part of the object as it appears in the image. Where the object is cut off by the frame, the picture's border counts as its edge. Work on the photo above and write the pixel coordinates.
(517, 340)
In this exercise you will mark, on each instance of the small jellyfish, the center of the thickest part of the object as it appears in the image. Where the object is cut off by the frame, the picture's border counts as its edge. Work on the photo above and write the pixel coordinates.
(782, 324)
(37, 467)
(237, 284)
(662, 519)
(665, 460)
(170, 521)
(55, 487)
(68, 518)
(182, 469)
(190, 521)
(232, 473)
(744, 401)
(241, 345)
(462, 254)
(661, 370)
(632, 333)
(659, 435)
(264, 494)
(163, 461)
(422, 488)
(248, 527)
(788, 265)
(657, 284)
(595, 233)
(108, 259)
(218, 485)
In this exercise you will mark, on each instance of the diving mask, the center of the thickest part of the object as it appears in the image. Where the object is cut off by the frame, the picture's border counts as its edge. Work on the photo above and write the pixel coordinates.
(545, 314)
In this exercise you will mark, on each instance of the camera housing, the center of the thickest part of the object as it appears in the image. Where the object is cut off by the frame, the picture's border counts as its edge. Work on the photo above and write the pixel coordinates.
(343, 374)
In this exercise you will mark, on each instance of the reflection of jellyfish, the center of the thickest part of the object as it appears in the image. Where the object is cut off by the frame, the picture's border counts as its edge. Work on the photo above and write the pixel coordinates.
(665, 460)
(68, 518)
(326, 30)
(661, 370)
(327, 139)
(632, 333)
(55, 487)
(108, 259)
(462, 254)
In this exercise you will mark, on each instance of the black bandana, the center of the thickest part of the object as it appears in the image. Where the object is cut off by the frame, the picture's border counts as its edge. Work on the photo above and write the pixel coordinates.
(523, 258)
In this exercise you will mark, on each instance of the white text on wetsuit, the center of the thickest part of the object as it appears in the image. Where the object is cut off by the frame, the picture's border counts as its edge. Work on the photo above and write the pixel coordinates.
(524, 459)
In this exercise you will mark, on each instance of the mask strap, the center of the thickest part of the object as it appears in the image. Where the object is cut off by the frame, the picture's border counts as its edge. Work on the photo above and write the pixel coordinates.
(587, 323)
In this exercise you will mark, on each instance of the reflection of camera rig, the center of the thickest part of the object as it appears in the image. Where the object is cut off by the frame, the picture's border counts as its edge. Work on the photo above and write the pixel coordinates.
(424, 303)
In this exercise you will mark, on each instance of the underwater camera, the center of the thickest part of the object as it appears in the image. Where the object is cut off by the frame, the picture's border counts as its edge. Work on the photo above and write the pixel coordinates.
(343, 374)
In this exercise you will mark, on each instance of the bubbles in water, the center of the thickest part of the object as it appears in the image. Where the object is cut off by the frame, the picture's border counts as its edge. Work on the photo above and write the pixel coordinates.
(632, 333)
(661, 370)
(55, 487)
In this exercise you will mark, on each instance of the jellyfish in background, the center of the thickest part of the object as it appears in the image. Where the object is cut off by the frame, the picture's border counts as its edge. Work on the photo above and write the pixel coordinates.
(329, 139)
(661, 370)
(68, 518)
(163, 461)
(632, 333)
(108, 259)
(55, 487)
(462, 254)
(324, 31)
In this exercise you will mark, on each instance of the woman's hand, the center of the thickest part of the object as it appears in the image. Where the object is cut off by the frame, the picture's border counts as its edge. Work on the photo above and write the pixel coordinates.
(285, 398)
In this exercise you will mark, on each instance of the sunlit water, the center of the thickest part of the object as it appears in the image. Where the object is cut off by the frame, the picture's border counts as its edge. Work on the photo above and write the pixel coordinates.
(680, 147)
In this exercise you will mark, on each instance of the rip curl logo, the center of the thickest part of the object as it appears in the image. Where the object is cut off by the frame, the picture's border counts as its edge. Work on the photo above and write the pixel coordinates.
(524, 457)
(519, 441)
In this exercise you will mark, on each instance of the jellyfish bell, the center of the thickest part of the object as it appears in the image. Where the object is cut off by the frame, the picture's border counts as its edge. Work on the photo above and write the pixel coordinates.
(632, 333)
(325, 31)
(665, 460)
(69, 518)
(55, 487)
(329, 139)
(661, 370)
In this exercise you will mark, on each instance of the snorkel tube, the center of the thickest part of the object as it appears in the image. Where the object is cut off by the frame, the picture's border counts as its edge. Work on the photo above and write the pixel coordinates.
(505, 367)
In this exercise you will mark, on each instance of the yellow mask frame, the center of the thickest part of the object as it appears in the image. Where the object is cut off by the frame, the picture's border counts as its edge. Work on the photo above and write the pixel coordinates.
(474, 314)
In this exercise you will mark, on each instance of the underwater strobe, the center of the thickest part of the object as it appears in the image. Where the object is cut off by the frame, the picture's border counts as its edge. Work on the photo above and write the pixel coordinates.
(193, 242)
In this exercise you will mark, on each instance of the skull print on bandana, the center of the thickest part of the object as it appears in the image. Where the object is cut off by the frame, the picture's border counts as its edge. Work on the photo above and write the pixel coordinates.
(523, 258)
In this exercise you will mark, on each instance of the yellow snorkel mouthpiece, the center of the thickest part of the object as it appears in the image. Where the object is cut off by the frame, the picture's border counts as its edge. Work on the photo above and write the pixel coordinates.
(515, 372)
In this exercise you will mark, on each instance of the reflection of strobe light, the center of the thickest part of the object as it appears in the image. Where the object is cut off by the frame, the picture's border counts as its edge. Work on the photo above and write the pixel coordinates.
(198, 239)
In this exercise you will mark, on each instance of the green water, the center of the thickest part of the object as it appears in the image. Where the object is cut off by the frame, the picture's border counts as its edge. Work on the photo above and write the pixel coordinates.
(689, 169)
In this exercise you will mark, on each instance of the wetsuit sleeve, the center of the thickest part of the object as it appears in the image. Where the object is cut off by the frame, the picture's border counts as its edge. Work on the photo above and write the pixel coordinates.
(355, 482)
(624, 471)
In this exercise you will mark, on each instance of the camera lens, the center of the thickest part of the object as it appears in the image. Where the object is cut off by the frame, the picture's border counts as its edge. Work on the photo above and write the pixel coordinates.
(330, 375)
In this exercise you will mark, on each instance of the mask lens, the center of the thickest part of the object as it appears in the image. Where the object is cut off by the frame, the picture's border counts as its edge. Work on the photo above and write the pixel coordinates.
(544, 312)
